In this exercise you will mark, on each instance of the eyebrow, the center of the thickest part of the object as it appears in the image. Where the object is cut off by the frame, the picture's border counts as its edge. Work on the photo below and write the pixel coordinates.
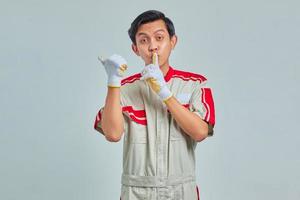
(142, 33)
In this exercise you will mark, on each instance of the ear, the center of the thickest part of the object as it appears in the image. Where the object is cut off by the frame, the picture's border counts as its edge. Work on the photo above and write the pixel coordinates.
(135, 49)
(173, 41)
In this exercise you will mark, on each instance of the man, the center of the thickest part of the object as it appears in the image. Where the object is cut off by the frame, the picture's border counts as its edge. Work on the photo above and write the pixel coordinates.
(163, 113)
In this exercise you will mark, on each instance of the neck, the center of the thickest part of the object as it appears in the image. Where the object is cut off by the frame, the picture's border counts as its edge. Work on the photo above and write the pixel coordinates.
(165, 68)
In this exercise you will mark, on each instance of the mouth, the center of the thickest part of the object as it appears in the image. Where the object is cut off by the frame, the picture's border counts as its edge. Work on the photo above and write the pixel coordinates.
(150, 58)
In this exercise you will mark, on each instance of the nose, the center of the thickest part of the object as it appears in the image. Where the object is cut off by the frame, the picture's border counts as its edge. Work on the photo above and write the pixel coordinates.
(153, 47)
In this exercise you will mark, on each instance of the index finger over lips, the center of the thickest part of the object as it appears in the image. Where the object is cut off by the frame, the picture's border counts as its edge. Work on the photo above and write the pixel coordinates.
(155, 59)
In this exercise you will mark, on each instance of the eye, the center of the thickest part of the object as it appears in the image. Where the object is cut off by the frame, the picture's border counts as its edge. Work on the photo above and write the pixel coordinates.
(143, 40)
(159, 37)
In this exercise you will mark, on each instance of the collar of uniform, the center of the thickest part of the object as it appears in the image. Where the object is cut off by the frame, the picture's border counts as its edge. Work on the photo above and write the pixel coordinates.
(169, 74)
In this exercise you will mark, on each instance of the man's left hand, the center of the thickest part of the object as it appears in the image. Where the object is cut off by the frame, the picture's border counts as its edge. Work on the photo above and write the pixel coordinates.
(155, 78)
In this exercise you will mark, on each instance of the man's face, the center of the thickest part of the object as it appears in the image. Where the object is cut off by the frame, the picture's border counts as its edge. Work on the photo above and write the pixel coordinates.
(154, 37)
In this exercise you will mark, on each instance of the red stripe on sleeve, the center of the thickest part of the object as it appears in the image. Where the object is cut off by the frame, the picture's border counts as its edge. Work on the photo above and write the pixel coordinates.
(207, 100)
(98, 119)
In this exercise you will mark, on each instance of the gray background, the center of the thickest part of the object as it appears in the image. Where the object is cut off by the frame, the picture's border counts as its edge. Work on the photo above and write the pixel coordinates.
(52, 87)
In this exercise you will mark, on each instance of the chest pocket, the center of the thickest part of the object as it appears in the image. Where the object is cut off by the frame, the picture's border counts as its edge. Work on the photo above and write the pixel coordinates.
(136, 133)
(136, 122)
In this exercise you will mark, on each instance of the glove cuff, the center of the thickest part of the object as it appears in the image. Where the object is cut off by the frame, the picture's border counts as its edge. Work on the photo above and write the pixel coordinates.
(114, 81)
(165, 93)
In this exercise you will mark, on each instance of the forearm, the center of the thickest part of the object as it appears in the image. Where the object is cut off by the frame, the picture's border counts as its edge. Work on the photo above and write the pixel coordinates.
(190, 122)
(112, 119)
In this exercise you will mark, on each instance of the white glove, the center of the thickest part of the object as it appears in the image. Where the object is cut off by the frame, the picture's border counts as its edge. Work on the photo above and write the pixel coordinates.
(155, 78)
(115, 67)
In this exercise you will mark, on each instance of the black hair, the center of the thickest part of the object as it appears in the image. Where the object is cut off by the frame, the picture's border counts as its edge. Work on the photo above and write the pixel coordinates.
(150, 16)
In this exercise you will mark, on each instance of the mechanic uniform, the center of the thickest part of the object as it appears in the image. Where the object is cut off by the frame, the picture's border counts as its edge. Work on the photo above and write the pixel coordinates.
(158, 156)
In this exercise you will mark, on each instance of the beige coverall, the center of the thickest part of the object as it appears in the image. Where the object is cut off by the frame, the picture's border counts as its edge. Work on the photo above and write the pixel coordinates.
(158, 156)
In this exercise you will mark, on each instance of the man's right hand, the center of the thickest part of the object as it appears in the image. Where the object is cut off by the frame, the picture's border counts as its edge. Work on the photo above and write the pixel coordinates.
(115, 67)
